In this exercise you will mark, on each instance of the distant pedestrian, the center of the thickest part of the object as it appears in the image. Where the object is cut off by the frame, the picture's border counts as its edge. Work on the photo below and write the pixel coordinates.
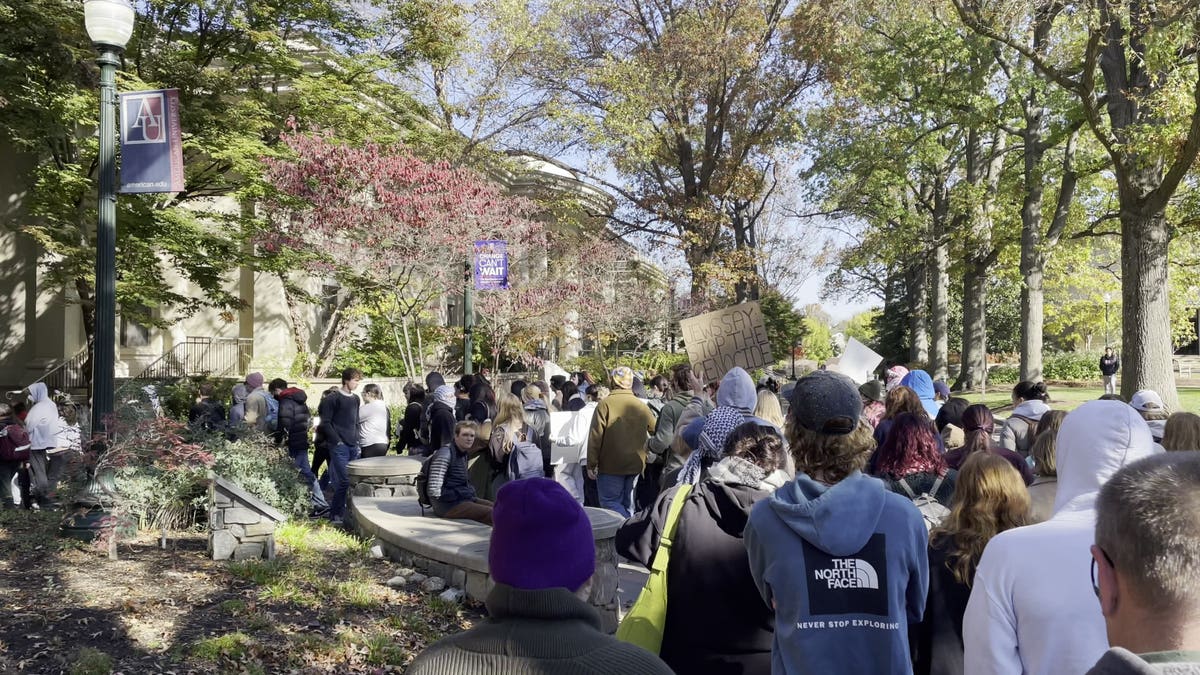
(1152, 409)
(46, 459)
(1110, 363)
(261, 411)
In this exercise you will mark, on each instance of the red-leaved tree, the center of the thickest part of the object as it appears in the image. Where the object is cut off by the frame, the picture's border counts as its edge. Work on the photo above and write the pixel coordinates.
(383, 225)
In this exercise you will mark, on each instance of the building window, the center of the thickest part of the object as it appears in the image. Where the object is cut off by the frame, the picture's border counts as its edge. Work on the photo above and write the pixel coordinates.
(134, 333)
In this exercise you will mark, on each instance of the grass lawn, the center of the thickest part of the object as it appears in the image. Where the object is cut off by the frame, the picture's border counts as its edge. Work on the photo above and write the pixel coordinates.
(1069, 398)
(321, 607)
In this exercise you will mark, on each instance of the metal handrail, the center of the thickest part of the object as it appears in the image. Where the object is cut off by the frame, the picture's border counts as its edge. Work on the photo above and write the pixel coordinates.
(207, 356)
(68, 374)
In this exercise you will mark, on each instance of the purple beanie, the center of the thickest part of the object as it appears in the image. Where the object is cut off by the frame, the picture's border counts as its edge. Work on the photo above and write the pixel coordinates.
(541, 537)
(254, 381)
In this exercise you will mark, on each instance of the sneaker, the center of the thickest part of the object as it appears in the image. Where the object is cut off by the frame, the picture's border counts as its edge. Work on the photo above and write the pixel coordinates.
(337, 522)
(319, 512)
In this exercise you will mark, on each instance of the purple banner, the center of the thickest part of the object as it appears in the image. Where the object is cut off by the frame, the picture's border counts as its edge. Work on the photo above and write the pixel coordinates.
(491, 265)
(151, 144)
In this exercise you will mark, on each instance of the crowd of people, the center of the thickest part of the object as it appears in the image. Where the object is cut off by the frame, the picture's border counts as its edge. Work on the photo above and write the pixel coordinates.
(825, 526)
(885, 528)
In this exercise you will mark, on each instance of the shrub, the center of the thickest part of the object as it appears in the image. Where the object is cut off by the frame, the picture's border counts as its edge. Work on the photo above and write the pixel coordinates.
(1072, 366)
(1004, 374)
(160, 470)
(655, 362)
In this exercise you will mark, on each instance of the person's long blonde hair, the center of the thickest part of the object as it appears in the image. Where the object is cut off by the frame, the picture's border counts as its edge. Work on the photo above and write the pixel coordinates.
(768, 408)
(1182, 432)
(990, 497)
(510, 417)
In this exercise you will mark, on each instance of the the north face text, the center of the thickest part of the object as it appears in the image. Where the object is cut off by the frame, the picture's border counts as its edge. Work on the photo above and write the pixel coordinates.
(849, 573)
(855, 584)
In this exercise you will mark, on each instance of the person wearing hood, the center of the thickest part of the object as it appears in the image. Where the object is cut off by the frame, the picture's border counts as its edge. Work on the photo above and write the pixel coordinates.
(207, 413)
(921, 383)
(1146, 567)
(291, 431)
(1150, 406)
(46, 461)
(441, 417)
(237, 410)
(1029, 404)
(737, 391)
(709, 587)
(1032, 609)
(841, 558)
(617, 443)
(258, 408)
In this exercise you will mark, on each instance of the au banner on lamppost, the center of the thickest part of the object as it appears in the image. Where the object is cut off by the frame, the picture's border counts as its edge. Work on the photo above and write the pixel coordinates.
(491, 265)
(151, 142)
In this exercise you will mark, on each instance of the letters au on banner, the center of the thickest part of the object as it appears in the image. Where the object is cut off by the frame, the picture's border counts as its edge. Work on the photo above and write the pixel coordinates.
(720, 340)
(491, 265)
(151, 142)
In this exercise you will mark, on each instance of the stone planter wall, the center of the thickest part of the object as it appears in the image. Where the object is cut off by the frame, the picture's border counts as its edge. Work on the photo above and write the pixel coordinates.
(241, 526)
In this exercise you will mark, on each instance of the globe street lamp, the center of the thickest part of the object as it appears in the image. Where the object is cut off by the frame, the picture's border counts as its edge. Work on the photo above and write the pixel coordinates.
(109, 24)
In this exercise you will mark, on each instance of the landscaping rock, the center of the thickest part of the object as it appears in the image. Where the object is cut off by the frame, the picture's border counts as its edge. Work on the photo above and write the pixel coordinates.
(222, 542)
(454, 595)
(405, 572)
(417, 578)
(433, 585)
(377, 550)
(397, 582)
(241, 515)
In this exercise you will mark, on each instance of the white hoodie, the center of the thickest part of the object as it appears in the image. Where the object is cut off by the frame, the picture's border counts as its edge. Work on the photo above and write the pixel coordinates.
(1032, 608)
(42, 419)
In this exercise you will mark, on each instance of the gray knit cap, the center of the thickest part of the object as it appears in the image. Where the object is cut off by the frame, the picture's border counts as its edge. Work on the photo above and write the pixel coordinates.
(826, 402)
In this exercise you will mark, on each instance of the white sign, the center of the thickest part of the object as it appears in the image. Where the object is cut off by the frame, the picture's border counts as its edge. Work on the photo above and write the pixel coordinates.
(858, 362)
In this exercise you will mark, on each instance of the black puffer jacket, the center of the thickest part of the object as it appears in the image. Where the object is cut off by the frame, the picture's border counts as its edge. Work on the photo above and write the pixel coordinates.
(441, 425)
(716, 620)
(293, 419)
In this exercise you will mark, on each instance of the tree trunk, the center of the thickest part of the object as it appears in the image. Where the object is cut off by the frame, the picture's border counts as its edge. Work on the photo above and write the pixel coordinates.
(974, 339)
(918, 304)
(939, 330)
(1033, 260)
(1146, 321)
(87, 311)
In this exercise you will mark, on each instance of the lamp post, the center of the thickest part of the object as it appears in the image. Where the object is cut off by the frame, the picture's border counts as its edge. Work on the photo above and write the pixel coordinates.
(1107, 299)
(468, 318)
(109, 24)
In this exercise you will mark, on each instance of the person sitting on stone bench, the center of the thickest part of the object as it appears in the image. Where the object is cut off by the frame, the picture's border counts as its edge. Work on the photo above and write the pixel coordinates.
(542, 557)
(450, 487)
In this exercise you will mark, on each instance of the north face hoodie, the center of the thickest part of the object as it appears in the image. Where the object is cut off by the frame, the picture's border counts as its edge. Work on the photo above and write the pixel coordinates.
(1032, 608)
(846, 569)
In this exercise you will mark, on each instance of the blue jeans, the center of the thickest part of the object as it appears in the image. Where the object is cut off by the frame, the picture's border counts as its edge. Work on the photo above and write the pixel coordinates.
(616, 492)
(339, 458)
(300, 459)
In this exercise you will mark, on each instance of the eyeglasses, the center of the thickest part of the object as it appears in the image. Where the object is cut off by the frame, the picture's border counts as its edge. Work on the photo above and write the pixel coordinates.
(1096, 586)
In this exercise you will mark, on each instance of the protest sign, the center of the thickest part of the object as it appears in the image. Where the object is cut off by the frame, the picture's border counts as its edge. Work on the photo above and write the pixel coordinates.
(858, 362)
(720, 340)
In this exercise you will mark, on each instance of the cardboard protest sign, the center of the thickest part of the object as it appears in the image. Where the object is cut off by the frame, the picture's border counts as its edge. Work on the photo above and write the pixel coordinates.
(720, 340)
(859, 362)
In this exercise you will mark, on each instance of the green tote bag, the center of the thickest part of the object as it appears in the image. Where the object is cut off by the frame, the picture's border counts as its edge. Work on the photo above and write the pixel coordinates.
(644, 624)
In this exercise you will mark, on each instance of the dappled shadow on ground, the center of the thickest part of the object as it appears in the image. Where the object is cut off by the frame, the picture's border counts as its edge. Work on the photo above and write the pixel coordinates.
(322, 607)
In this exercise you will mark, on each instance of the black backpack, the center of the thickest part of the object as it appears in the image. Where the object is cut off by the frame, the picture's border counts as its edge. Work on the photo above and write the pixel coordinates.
(423, 499)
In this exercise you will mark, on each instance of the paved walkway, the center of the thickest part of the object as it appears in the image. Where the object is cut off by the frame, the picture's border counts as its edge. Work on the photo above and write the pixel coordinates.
(632, 578)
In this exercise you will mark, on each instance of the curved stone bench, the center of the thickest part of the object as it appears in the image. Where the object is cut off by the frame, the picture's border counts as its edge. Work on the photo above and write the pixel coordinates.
(457, 550)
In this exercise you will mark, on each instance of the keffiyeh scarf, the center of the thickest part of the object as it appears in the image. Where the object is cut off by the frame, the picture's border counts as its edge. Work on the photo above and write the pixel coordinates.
(717, 427)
